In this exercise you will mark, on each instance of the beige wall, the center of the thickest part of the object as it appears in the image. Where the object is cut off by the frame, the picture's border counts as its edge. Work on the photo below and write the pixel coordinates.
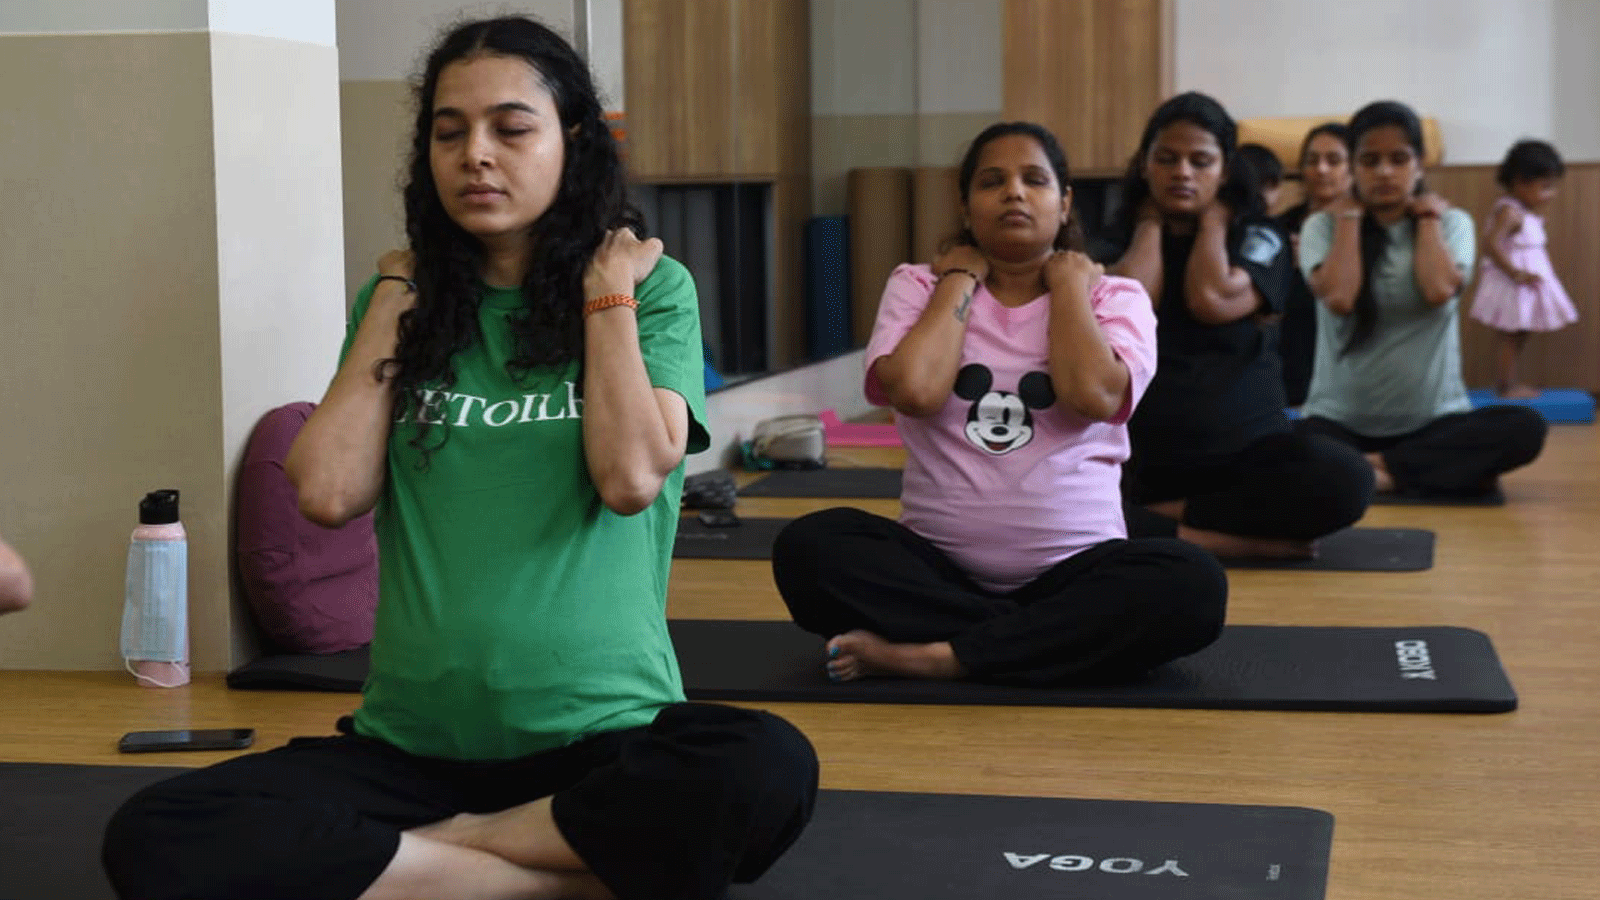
(375, 125)
(171, 273)
(279, 241)
(1490, 72)
(112, 331)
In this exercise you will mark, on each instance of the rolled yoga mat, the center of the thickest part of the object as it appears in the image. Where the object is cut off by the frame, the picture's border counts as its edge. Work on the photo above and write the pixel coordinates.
(1342, 669)
(1350, 550)
(879, 206)
(935, 210)
(886, 846)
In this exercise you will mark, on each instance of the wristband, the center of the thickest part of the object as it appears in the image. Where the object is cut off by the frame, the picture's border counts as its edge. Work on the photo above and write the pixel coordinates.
(606, 301)
(1426, 215)
(968, 272)
(1351, 214)
(410, 285)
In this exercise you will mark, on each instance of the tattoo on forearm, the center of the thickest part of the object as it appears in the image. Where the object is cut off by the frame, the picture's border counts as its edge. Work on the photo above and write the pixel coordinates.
(961, 308)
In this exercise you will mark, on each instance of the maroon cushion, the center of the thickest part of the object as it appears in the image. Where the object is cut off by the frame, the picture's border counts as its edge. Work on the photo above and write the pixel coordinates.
(313, 589)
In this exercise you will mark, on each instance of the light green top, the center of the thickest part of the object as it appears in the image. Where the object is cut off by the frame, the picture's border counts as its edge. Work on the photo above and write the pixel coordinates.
(516, 612)
(1408, 373)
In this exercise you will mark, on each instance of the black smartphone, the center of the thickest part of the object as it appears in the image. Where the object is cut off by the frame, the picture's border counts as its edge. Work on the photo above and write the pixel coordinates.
(718, 518)
(187, 739)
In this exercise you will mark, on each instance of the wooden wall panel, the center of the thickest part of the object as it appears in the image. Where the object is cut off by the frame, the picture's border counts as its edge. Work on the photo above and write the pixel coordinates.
(678, 66)
(1089, 70)
(1566, 358)
(772, 141)
(720, 91)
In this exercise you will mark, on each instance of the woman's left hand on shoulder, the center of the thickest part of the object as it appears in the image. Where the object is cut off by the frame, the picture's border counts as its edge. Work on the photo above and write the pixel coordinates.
(1066, 268)
(1428, 205)
(621, 262)
(1217, 213)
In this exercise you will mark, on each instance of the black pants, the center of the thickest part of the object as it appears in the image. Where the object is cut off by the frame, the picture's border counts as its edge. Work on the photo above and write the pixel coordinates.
(1293, 486)
(1117, 609)
(1460, 454)
(1297, 341)
(703, 796)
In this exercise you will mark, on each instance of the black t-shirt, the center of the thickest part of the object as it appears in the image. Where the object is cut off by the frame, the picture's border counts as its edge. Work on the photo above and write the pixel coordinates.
(1218, 388)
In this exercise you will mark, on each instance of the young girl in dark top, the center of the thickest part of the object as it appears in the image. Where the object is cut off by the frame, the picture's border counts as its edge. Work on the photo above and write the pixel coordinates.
(1215, 460)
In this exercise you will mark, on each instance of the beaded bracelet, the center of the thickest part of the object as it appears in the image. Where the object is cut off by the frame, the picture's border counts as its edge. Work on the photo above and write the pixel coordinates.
(606, 301)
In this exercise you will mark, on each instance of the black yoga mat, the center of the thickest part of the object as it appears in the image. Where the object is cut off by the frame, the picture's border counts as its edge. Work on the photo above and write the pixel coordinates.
(892, 846)
(750, 539)
(303, 672)
(1350, 550)
(1346, 669)
(1359, 550)
(888, 846)
(1494, 497)
(861, 482)
(51, 820)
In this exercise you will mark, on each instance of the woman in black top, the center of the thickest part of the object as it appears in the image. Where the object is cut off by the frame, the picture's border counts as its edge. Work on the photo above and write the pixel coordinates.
(1325, 175)
(1215, 460)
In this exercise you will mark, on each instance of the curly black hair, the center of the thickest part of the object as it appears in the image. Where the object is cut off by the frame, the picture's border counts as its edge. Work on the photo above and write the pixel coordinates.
(592, 199)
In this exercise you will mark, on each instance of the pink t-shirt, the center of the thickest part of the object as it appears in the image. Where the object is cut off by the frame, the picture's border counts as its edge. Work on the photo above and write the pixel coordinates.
(1002, 480)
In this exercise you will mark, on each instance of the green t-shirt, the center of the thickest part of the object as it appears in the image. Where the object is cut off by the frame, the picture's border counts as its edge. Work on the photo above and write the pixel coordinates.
(516, 612)
(1409, 372)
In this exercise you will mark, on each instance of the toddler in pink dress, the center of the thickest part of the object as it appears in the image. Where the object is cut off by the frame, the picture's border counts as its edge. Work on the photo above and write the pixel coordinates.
(1518, 291)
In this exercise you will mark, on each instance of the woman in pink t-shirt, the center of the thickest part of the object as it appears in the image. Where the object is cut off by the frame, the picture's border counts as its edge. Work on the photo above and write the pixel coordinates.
(1013, 364)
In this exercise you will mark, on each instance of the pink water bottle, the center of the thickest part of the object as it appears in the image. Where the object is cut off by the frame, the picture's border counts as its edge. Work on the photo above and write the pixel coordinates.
(155, 612)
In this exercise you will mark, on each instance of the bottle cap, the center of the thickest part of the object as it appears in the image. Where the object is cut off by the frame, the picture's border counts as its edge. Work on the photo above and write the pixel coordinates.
(159, 508)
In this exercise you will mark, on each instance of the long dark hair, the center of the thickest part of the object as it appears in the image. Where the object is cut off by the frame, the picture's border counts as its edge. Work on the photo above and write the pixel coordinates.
(1295, 216)
(1374, 237)
(592, 198)
(1237, 190)
(1068, 236)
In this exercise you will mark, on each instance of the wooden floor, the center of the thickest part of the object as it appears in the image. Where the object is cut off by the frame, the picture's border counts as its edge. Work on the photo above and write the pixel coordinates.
(1427, 806)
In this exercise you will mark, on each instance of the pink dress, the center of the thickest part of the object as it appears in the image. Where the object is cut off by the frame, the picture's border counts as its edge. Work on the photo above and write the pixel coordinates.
(1503, 304)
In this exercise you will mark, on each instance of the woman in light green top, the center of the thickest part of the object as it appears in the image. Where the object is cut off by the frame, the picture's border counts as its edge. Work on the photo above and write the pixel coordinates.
(1388, 266)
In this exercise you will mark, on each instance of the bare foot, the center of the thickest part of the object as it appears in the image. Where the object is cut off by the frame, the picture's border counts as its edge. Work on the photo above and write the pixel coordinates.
(1517, 392)
(1383, 482)
(1233, 546)
(859, 653)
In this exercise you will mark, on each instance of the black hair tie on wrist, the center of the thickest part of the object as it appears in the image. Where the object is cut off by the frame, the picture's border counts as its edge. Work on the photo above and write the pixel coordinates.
(410, 285)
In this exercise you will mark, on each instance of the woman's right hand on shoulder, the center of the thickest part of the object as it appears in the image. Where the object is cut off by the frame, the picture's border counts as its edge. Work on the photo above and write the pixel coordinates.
(963, 257)
(1345, 206)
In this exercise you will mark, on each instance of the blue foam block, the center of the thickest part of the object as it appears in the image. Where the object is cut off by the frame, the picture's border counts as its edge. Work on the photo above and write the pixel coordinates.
(1559, 405)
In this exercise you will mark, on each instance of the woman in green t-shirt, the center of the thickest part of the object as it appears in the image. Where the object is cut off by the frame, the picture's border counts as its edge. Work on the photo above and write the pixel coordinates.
(1388, 266)
(516, 396)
